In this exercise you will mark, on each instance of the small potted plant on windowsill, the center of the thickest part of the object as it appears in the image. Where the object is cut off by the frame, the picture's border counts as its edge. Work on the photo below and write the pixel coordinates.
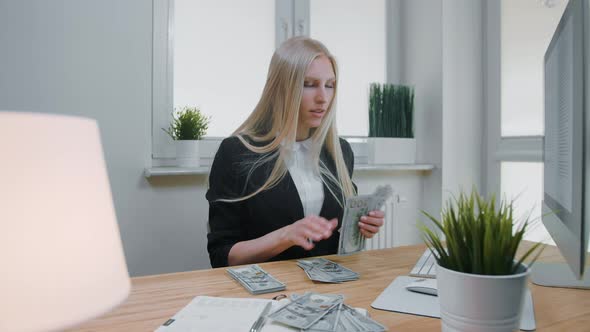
(391, 120)
(481, 284)
(188, 126)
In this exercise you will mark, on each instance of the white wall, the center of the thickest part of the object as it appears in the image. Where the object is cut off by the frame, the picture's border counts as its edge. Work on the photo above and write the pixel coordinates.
(442, 56)
(93, 58)
(421, 66)
(463, 98)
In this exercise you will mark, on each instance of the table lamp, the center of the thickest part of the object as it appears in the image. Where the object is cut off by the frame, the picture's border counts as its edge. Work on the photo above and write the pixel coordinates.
(61, 256)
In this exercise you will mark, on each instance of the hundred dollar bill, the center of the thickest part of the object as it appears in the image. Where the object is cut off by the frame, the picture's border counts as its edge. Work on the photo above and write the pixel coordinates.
(350, 236)
(306, 310)
(343, 318)
(351, 239)
(328, 323)
(255, 279)
(351, 320)
(321, 269)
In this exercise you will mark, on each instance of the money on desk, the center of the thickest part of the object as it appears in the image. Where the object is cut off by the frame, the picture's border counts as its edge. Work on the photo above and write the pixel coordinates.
(255, 279)
(324, 270)
(302, 312)
(351, 240)
(350, 320)
(313, 312)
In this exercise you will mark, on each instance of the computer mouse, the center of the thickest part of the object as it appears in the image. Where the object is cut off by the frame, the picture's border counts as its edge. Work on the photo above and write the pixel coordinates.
(424, 286)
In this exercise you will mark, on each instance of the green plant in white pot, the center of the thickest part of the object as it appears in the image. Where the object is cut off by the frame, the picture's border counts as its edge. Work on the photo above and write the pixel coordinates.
(481, 284)
(188, 126)
(391, 124)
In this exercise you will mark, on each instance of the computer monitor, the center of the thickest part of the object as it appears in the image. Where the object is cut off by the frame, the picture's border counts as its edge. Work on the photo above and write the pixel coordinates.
(566, 148)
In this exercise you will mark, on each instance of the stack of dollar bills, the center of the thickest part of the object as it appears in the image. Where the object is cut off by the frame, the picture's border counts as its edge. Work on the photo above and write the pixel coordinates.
(351, 239)
(255, 279)
(321, 269)
(313, 312)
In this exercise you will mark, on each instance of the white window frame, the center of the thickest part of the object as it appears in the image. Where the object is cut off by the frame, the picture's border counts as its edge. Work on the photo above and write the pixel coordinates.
(162, 77)
(291, 19)
(498, 148)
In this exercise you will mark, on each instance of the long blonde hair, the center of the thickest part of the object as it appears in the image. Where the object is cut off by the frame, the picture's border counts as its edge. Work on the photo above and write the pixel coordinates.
(275, 117)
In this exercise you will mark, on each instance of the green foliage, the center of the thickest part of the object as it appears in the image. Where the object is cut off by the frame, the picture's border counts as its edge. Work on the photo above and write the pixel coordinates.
(479, 237)
(391, 110)
(188, 123)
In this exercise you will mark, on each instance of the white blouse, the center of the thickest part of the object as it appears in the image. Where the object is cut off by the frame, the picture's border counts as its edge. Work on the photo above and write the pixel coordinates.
(308, 183)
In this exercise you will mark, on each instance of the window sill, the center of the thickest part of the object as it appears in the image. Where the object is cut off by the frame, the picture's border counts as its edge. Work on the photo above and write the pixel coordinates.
(393, 167)
(204, 170)
(171, 170)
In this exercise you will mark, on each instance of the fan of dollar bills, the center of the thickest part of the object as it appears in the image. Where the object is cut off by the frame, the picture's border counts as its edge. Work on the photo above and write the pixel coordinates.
(351, 240)
(255, 279)
(321, 269)
(323, 312)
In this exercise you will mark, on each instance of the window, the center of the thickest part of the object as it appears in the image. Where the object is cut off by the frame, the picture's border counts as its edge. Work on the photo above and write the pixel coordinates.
(523, 49)
(355, 32)
(522, 183)
(222, 49)
(516, 168)
(214, 54)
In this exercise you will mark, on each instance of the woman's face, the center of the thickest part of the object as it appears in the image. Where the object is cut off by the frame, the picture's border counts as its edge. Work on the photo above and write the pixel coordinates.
(318, 91)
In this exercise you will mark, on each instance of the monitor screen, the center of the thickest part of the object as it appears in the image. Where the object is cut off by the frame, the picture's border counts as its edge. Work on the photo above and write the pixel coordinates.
(565, 197)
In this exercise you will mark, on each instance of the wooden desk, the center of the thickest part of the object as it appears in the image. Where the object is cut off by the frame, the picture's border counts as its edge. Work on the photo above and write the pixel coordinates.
(154, 299)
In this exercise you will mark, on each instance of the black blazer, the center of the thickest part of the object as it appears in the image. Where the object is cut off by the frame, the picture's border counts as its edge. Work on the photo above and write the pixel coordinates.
(268, 210)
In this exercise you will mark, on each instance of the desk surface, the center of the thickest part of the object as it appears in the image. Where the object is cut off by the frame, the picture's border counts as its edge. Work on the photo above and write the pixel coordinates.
(156, 298)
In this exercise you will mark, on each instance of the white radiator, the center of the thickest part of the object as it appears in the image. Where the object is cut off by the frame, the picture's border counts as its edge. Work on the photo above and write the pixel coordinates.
(384, 239)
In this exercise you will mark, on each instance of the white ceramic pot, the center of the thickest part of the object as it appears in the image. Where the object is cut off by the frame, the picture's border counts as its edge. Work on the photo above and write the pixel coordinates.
(391, 150)
(187, 153)
(473, 302)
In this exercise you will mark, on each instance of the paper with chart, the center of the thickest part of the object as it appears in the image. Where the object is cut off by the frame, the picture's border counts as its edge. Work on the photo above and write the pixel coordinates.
(326, 312)
(205, 313)
(351, 240)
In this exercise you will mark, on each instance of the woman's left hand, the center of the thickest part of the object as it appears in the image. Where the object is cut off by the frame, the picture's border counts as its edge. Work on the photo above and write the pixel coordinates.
(370, 224)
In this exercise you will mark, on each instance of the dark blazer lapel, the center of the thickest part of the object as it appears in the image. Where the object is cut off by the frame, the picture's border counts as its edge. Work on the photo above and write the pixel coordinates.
(279, 201)
(328, 199)
(292, 198)
(330, 208)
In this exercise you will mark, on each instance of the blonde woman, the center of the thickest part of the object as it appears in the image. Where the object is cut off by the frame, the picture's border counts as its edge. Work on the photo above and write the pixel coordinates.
(278, 184)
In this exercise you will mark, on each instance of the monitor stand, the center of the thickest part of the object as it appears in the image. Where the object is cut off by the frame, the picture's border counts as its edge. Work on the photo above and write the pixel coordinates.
(558, 275)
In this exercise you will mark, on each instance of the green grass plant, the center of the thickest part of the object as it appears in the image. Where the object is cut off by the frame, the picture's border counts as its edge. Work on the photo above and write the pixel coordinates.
(188, 123)
(479, 236)
(391, 110)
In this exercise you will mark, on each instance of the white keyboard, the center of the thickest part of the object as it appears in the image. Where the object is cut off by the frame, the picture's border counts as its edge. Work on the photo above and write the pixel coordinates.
(425, 267)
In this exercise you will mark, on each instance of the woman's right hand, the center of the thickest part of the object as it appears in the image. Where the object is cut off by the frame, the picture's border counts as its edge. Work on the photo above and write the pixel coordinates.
(313, 228)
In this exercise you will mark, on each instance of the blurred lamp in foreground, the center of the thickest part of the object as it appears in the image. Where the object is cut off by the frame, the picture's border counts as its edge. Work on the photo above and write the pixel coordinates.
(60, 251)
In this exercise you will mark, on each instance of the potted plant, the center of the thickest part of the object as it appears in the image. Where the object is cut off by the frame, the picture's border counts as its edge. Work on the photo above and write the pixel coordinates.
(391, 121)
(188, 126)
(481, 284)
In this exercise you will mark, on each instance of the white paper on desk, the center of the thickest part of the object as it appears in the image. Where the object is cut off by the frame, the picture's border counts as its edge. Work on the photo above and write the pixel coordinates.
(205, 313)
(222, 314)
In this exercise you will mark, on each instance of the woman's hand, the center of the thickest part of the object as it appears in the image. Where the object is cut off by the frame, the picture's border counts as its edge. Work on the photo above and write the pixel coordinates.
(301, 233)
(370, 224)
(308, 230)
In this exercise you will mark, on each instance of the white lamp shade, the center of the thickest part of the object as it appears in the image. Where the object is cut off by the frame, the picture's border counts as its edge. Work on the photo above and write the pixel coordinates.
(60, 248)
